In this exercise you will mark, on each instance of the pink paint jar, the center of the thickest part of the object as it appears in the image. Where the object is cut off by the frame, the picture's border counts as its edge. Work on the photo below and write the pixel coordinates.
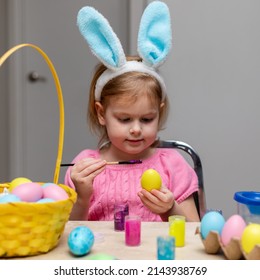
(132, 230)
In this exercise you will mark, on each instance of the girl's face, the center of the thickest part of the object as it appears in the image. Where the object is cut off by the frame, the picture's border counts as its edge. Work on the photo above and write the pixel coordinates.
(131, 127)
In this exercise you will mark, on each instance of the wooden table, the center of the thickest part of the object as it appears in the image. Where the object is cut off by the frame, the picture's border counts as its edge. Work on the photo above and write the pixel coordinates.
(112, 242)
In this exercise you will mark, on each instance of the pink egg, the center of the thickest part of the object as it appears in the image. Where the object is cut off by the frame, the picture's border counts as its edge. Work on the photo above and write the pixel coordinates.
(55, 192)
(233, 228)
(28, 192)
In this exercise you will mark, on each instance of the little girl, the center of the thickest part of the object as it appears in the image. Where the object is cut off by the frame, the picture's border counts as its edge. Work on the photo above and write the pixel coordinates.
(128, 105)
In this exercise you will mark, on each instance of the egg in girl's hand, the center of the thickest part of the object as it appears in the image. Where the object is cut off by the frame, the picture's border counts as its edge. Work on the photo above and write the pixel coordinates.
(28, 192)
(54, 192)
(250, 237)
(150, 180)
(233, 228)
(211, 221)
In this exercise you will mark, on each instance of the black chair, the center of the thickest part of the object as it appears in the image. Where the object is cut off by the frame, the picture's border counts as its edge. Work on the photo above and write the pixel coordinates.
(199, 197)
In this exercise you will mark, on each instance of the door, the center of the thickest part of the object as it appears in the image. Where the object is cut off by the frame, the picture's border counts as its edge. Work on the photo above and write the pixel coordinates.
(34, 111)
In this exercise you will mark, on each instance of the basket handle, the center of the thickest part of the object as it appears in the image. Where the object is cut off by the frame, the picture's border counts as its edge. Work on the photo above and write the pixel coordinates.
(60, 99)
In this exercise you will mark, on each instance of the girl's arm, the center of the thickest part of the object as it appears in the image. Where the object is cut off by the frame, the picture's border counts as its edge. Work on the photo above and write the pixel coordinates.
(187, 209)
(79, 210)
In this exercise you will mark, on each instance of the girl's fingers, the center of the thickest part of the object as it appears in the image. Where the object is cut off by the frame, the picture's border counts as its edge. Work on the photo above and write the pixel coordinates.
(149, 196)
(84, 172)
(97, 171)
(163, 195)
(148, 199)
(157, 201)
(158, 197)
(88, 166)
(150, 205)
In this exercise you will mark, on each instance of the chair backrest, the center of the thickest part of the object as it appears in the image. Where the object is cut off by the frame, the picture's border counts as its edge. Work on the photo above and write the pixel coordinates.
(199, 197)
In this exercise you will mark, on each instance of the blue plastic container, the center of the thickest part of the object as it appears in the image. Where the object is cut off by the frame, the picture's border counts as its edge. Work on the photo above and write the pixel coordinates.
(248, 205)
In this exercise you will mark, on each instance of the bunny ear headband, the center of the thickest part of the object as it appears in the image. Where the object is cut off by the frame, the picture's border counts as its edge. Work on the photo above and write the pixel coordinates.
(154, 43)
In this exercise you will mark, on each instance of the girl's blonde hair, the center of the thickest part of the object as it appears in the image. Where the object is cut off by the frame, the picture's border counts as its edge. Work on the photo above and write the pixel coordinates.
(128, 86)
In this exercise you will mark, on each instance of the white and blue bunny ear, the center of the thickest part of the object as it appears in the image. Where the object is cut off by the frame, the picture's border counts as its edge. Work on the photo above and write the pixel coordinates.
(101, 38)
(155, 35)
(154, 43)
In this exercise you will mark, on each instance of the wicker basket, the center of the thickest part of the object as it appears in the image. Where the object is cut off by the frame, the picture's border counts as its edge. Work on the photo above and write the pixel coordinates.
(34, 228)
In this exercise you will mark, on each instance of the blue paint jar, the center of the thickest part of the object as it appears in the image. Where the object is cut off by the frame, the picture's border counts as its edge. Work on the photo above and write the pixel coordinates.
(165, 248)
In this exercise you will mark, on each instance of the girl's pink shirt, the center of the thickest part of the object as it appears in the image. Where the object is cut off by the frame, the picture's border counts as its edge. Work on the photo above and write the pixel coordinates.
(121, 183)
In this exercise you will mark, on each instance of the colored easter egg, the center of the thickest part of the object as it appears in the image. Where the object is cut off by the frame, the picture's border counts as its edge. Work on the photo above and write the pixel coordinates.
(47, 184)
(233, 228)
(28, 192)
(150, 180)
(100, 256)
(250, 237)
(45, 200)
(80, 240)
(18, 181)
(211, 221)
(9, 198)
(54, 192)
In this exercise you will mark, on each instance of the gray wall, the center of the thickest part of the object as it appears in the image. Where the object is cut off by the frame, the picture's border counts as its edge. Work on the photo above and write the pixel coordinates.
(3, 96)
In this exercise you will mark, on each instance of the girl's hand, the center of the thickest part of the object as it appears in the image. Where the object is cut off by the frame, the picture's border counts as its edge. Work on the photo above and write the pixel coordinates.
(82, 175)
(157, 201)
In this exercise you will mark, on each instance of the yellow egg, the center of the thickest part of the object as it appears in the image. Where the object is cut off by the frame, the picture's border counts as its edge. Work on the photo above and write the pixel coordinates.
(18, 181)
(150, 180)
(250, 237)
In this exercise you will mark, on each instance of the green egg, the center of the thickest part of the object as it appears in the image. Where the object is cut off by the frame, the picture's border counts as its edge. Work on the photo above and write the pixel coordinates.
(100, 256)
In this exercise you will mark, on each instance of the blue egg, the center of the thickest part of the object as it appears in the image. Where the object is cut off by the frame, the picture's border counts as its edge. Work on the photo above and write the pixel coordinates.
(46, 185)
(45, 200)
(9, 198)
(80, 240)
(211, 221)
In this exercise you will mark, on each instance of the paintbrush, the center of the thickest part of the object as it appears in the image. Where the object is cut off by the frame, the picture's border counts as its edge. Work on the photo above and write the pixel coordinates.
(134, 161)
